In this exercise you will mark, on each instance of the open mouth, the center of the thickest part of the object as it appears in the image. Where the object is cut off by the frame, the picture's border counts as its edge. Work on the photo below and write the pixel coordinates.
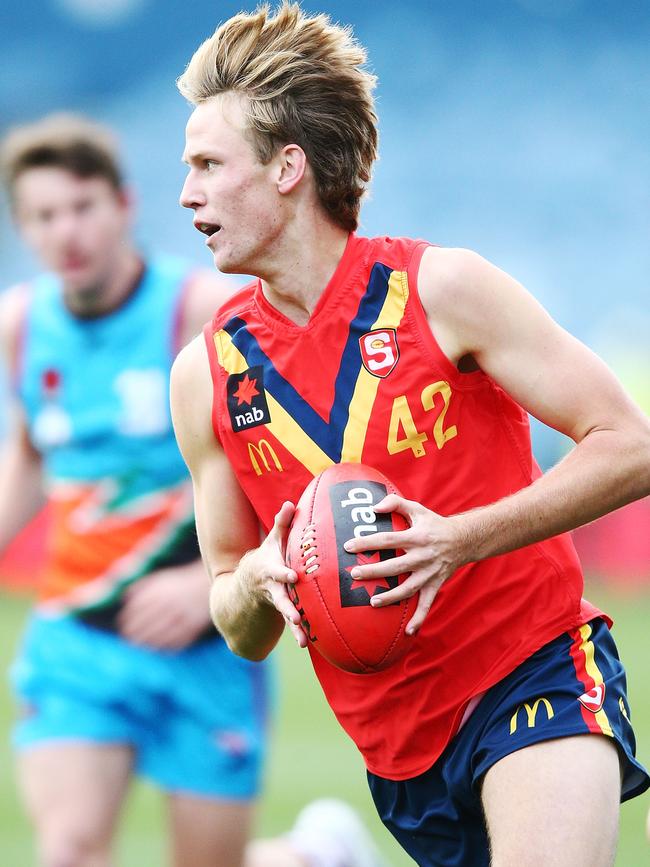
(208, 229)
(74, 263)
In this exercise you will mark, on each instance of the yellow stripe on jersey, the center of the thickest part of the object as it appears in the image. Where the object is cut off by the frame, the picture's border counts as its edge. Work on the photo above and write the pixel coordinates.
(587, 647)
(283, 427)
(365, 390)
(230, 358)
(287, 430)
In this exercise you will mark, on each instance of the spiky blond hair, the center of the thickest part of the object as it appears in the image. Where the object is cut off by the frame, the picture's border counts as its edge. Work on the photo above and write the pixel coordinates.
(304, 83)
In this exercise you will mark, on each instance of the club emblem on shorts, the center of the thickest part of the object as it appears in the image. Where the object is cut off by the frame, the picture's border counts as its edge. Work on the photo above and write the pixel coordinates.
(379, 351)
(246, 398)
(594, 699)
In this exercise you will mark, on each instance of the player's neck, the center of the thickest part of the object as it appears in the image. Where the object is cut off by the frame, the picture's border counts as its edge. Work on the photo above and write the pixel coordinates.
(300, 274)
(107, 296)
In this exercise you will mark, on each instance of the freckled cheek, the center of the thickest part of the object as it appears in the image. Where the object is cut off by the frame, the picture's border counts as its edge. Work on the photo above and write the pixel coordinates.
(264, 221)
(251, 210)
(229, 199)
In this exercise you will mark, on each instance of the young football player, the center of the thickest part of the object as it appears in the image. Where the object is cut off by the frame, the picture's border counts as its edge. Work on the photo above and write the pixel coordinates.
(504, 732)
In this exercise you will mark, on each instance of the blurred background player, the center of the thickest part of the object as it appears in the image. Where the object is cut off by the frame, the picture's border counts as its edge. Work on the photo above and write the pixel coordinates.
(423, 362)
(120, 670)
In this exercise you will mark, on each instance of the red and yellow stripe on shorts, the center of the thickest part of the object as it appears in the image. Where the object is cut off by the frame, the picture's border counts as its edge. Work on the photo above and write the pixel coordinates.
(583, 653)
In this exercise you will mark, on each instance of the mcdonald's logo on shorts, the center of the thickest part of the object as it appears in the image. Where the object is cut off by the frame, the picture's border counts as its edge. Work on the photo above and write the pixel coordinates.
(531, 713)
(263, 455)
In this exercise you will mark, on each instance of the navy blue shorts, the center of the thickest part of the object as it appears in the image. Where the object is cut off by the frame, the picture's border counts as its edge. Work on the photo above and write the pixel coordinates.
(573, 685)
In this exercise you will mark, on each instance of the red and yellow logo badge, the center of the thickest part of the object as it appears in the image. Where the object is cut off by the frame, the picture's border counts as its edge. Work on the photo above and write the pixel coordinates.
(379, 351)
(594, 699)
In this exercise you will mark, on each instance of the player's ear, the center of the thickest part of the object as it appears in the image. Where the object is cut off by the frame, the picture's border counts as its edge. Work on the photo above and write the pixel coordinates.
(127, 200)
(292, 164)
(126, 197)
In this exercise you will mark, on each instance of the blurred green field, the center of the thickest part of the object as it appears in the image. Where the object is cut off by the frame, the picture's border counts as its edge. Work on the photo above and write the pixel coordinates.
(310, 755)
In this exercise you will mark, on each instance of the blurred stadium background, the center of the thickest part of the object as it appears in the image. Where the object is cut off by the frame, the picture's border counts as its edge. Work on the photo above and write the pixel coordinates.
(519, 128)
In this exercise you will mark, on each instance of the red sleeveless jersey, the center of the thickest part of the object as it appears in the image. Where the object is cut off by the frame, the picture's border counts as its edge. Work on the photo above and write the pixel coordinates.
(365, 381)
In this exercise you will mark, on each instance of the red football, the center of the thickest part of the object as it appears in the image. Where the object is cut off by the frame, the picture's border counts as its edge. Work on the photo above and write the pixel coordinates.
(336, 613)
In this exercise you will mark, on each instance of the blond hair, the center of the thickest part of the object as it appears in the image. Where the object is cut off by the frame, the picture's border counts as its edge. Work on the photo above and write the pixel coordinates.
(65, 141)
(304, 83)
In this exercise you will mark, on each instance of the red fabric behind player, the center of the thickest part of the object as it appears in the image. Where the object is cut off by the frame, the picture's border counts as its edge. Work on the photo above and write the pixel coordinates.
(365, 381)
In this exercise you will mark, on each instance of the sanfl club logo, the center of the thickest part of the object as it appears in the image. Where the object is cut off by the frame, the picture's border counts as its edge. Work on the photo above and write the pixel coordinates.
(379, 351)
(594, 699)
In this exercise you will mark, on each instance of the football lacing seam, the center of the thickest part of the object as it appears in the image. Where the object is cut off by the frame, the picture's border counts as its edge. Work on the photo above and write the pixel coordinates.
(309, 551)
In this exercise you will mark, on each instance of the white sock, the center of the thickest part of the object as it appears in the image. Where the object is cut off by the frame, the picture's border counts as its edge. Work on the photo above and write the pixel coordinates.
(330, 833)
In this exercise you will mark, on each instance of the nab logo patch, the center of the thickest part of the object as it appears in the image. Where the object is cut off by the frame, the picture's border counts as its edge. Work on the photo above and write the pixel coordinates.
(354, 517)
(379, 351)
(246, 398)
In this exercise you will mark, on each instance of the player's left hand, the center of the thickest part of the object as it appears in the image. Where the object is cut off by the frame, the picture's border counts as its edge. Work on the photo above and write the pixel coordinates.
(432, 553)
(168, 609)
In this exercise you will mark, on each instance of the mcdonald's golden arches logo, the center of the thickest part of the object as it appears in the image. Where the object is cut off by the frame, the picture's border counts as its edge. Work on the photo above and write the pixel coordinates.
(263, 454)
(531, 713)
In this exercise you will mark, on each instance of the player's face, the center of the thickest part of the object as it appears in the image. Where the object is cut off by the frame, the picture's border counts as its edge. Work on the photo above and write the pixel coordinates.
(234, 197)
(76, 226)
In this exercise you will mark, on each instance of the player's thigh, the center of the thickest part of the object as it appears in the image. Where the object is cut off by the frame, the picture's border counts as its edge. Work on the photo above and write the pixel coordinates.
(207, 831)
(74, 789)
(555, 802)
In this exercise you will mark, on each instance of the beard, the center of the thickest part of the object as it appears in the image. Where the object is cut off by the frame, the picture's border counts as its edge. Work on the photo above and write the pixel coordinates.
(102, 294)
(85, 301)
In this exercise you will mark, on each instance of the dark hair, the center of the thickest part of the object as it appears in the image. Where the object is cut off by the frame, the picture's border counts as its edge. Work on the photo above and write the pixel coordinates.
(65, 141)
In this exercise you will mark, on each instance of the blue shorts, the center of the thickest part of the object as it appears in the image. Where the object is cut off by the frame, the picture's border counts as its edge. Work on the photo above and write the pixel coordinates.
(196, 719)
(573, 685)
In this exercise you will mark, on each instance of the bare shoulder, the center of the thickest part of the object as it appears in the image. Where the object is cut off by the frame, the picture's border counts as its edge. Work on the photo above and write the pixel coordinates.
(190, 374)
(475, 308)
(451, 285)
(191, 399)
(452, 275)
(205, 293)
(13, 308)
(469, 300)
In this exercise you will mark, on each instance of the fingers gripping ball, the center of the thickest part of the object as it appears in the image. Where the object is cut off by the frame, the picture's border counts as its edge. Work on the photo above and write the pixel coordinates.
(335, 608)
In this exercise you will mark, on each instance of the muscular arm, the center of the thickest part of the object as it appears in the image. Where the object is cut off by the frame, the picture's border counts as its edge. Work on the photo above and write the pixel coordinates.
(21, 492)
(479, 311)
(482, 317)
(248, 601)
